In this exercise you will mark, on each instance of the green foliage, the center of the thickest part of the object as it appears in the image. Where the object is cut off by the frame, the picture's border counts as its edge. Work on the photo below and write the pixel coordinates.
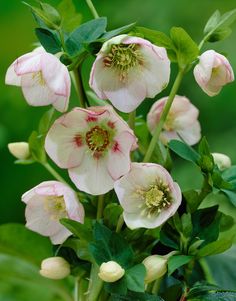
(218, 296)
(46, 121)
(70, 18)
(80, 246)
(36, 146)
(135, 278)
(115, 32)
(86, 33)
(131, 296)
(111, 214)
(82, 231)
(218, 26)
(184, 151)
(177, 261)
(169, 236)
(49, 40)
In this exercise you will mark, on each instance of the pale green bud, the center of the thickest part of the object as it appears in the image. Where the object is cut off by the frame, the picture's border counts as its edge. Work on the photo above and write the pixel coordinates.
(111, 271)
(156, 267)
(20, 150)
(55, 268)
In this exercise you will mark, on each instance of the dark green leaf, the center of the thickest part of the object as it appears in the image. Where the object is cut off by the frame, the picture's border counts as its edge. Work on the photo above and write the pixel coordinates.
(169, 236)
(48, 40)
(121, 30)
(225, 296)
(184, 151)
(177, 261)
(192, 199)
(51, 13)
(86, 33)
(81, 248)
(82, 231)
(201, 288)
(186, 49)
(220, 35)
(111, 214)
(118, 287)
(135, 278)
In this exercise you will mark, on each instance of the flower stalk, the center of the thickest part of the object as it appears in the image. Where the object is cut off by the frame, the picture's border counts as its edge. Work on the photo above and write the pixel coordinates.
(92, 9)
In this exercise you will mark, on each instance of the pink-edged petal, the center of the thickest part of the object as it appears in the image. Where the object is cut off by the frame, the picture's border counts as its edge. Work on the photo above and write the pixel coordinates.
(61, 146)
(155, 69)
(55, 74)
(203, 70)
(74, 208)
(28, 63)
(92, 176)
(119, 155)
(61, 103)
(11, 77)
(192, 134)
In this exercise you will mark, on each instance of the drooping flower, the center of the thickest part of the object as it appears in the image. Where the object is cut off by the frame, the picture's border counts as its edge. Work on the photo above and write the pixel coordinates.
(221, 160)
(46, 204)
(55, 268)
(44, 80)
(129, 69)
(181, 122)
(213, 72)
(111, 271)
(148, 195)
(94, 144)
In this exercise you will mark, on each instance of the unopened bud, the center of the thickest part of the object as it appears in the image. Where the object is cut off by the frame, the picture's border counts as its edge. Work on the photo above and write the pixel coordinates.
(221, 160)
(55, 268)
(20, 150)
(156, 267)
(111, 271)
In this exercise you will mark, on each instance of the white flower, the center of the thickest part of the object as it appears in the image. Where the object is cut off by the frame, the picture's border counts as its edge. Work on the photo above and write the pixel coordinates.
(55, 268)
(213, 72)
(181, 122)
(221, 160)
(43, 79)
(110, 271)
(156, 267)
(46, 204)
(148, 195)
(129, 69)
(20, 150)
(94, 145)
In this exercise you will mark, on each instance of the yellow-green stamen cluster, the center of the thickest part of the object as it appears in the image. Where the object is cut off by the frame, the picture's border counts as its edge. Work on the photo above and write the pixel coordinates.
(123, 57)
(38, 77)
(97, 139)
(55, 206)
(156, 198)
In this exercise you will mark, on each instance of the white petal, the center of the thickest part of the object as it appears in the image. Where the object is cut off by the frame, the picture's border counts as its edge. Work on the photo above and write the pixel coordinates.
(11, 77)
(192, 134)
(60, 236)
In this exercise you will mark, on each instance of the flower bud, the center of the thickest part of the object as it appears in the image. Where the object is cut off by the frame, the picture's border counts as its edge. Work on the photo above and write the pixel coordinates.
(156, 267)
(55, 268)
(221, 160)
(20, 150)
(111, 271)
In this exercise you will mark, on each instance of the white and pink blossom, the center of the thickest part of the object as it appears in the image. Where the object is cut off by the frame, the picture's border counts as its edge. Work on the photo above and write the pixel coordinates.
(44, 80)
(181, 122)
(94, 144)
(129, 69)
(46, 204)
(148, 195)
(213, 72)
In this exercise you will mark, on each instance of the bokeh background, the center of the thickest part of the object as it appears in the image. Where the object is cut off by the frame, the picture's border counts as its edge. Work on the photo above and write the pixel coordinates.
(17, 119)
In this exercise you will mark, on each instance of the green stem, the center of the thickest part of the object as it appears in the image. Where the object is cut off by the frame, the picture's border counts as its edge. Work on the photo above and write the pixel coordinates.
(120, 223)
(76, 78)
(62, 39)
(92, 9)
(53, 172)
(100, 206)
(95, 284)
(131, 120)
(76, 293)
(165, 112)
(156, 286)
(207, 271)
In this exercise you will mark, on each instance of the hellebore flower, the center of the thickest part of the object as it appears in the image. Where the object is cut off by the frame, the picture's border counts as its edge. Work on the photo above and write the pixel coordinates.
(129, 69)
(213, 72)
(44, 80)
(110, 271)
(46, 204)
(156, 267)
(181, 122)
(148, 195)
(55, 268)
(221, 160)
(94, 144)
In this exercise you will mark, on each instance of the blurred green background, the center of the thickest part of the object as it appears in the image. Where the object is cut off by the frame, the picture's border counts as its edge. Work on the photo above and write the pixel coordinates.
(217, 115)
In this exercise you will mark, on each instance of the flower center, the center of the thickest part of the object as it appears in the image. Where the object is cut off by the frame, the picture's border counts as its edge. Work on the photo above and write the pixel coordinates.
(123, 57)
(38, 78)
(97, 139)
(156, 198)
(55, 206)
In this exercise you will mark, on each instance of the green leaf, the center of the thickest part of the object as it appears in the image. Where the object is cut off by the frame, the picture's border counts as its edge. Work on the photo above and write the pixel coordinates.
(187, 226)
(212, 22)
(192, 199)
(81, 248)
(36, 146)
(184, 151)
(186, 49)
(131, 296)
(48, 40)
(226, 222)
(118, 287)
(135, 278)
(111, 214)
(46, 121)
(16, 240)
(51, 13)
(86, 33)
(121, 30)
(216, 247)
(82, 231)
(225, 296)
(70, 18)
(175, 262)
(220, 35)
(169, 236)
(231, 195)
(201, 288)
